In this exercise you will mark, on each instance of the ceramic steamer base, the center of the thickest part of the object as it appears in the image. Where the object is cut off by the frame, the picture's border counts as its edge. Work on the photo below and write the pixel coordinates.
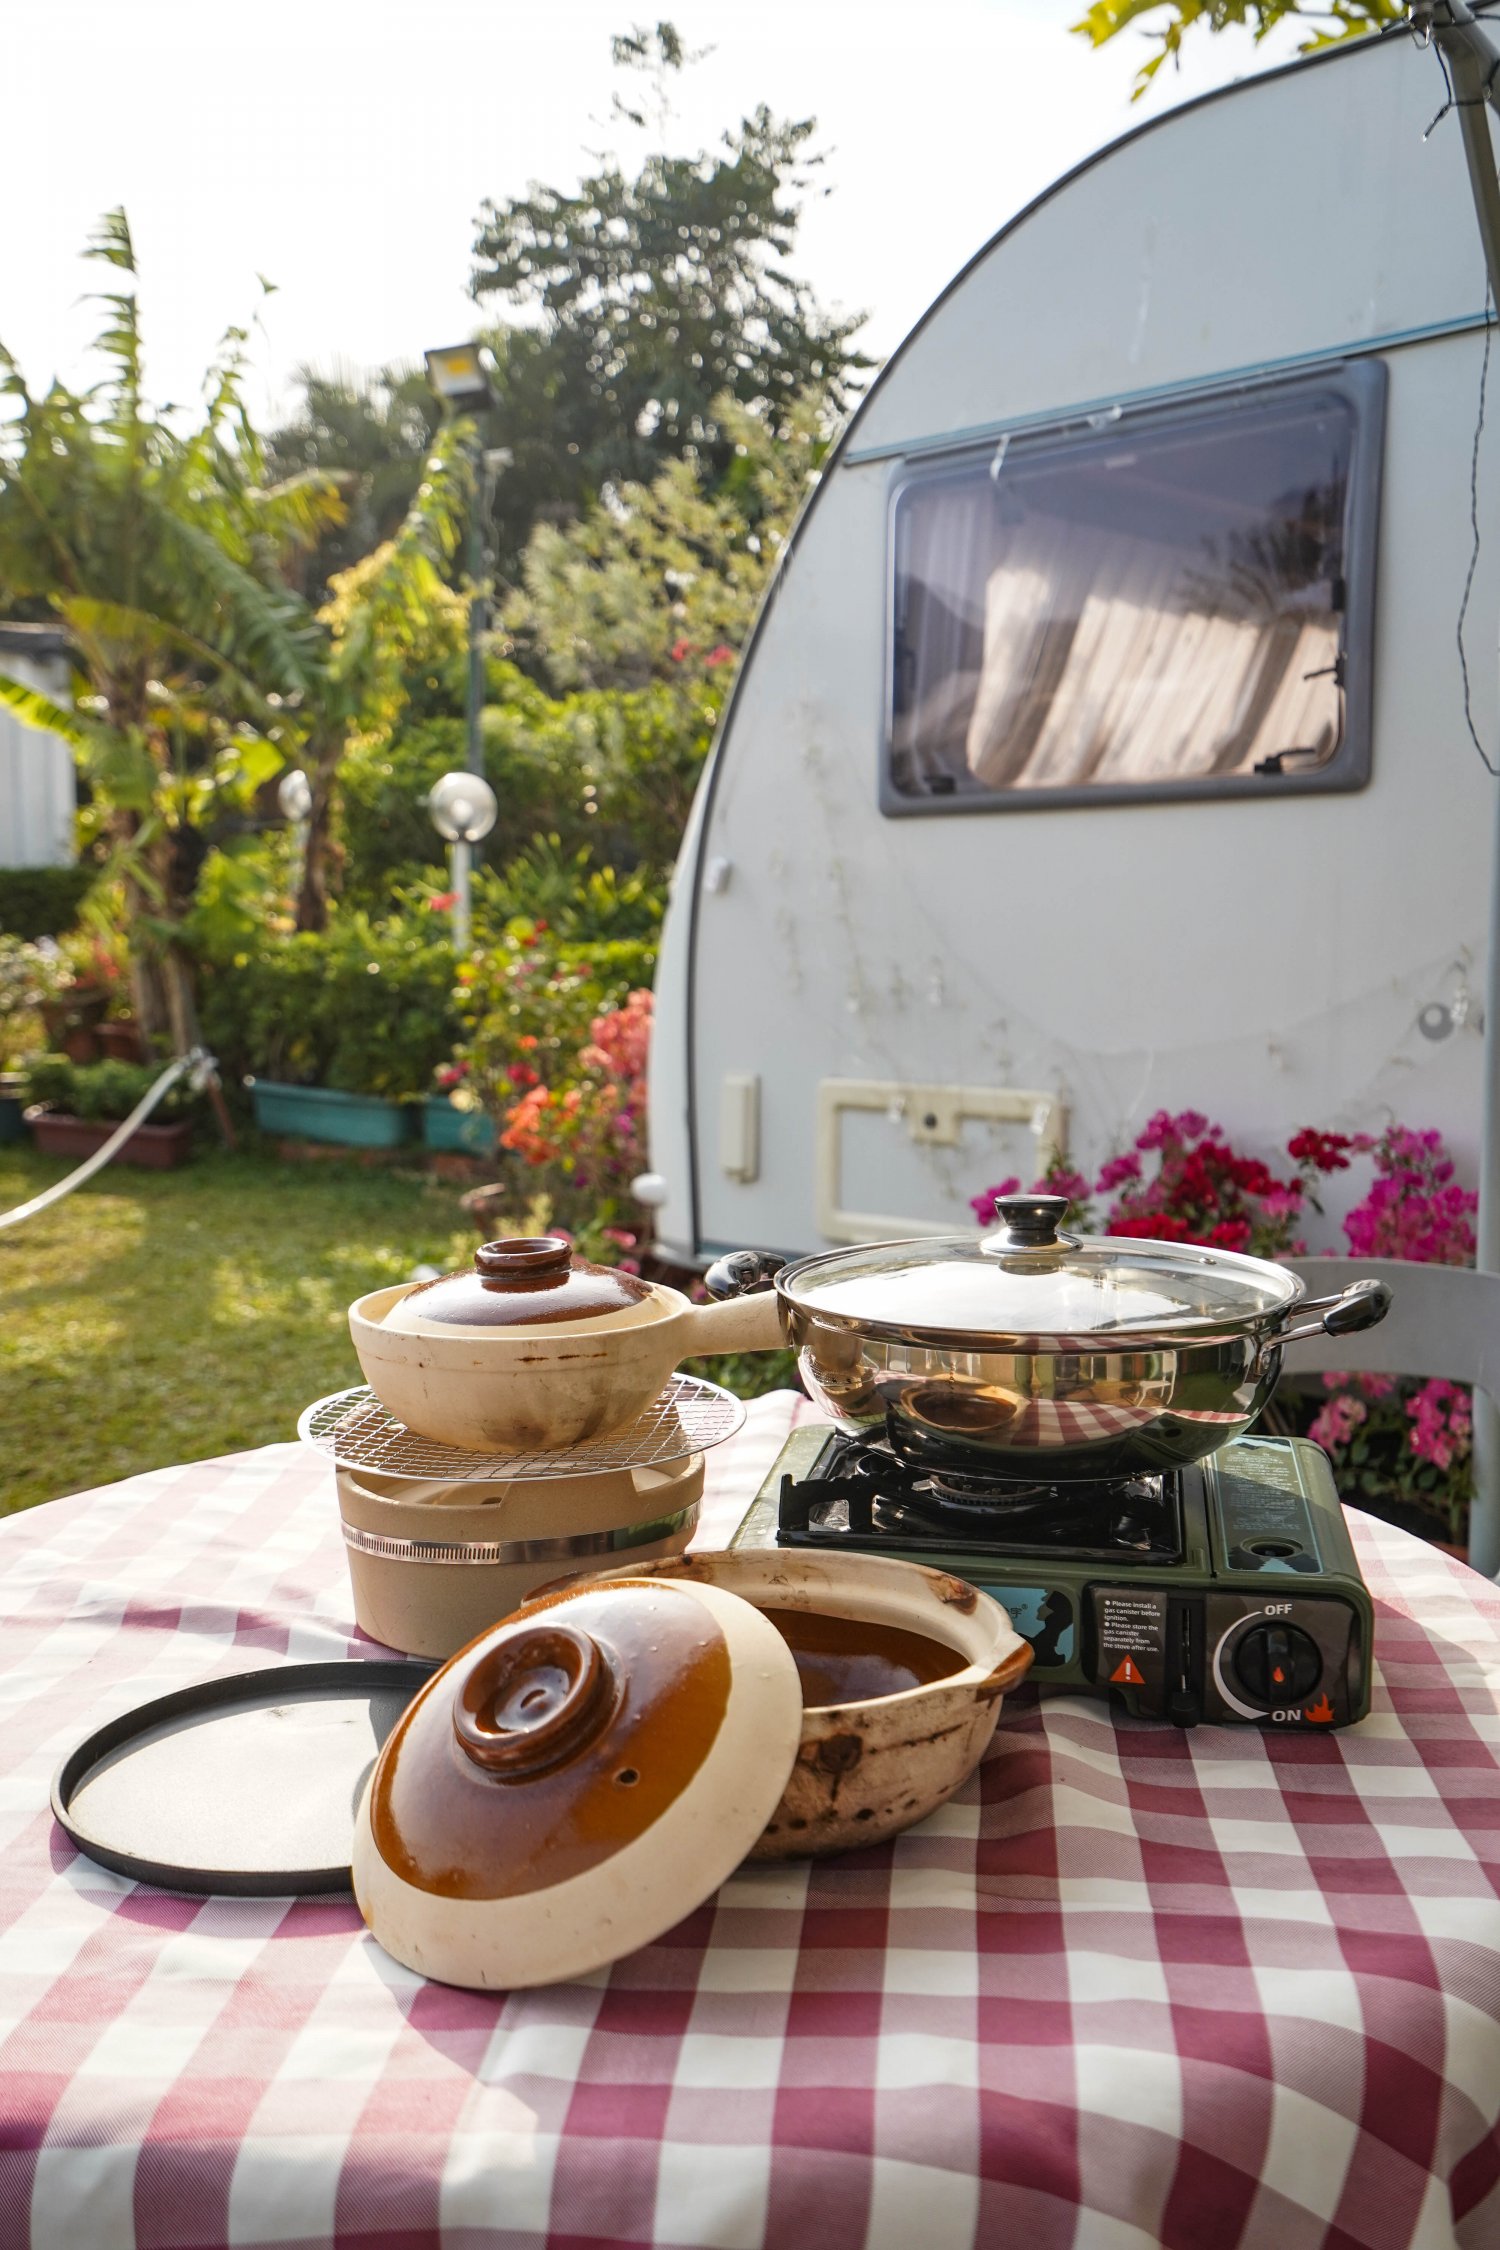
(442, 1542)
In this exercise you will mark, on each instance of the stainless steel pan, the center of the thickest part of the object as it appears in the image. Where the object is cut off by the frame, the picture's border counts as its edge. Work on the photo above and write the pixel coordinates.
(1034, 1355)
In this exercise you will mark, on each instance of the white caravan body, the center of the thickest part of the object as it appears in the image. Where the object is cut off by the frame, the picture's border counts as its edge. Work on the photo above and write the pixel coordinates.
(927, 926)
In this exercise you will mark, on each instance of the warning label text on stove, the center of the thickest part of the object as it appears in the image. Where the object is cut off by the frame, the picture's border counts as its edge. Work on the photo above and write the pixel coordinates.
(1132, 1623)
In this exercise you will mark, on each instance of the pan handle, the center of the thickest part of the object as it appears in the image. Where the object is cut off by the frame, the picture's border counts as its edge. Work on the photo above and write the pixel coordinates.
(740, 1272)
(1364, 1304)
(746, 1313)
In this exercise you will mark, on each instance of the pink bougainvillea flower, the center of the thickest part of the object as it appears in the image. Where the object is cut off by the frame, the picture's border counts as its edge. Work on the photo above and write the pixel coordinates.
(1063, 1182)
(1338, 1421)
(443, 903)
(680, 649)
(719, 655)
(1117, 1171)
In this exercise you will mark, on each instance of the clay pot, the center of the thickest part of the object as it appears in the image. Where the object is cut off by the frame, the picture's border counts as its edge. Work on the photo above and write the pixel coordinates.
(867, 1768)
(584, 1774)
(537, 1385)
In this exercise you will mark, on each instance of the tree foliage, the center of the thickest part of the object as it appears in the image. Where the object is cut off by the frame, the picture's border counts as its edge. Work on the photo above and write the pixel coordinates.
(371, 435)
(662, 583)
(642, 299)
(1169, 21)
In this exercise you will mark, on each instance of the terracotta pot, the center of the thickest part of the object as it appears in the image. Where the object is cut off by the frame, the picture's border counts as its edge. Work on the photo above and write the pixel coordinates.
(121, 1041)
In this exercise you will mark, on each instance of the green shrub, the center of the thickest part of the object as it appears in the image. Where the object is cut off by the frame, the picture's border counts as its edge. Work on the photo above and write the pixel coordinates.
(364, 1007)
(612, 773)
(42, 901)
(103, 1092)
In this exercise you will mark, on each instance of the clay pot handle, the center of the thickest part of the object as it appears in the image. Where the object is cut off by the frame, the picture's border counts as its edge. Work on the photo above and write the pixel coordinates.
(535, 1698)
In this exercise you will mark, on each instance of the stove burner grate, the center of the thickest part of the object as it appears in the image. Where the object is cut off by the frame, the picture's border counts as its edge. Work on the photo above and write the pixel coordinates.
(863, 1495)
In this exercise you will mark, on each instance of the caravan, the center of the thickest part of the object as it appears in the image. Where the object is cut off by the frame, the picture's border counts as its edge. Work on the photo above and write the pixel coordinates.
(1106, 742)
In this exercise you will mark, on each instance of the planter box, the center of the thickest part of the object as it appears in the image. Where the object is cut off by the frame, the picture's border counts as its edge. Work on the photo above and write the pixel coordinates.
(316, 1113)
(12, 1107)
(160, 1148)
(445, 1126)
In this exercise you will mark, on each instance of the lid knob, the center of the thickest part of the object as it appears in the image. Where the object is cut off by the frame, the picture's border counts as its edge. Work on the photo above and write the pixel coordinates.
(535, 1699)
(1032, 1221)
(523, 1259)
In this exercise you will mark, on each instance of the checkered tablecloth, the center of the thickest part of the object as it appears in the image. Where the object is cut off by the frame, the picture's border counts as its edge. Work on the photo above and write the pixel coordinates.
(1132, 1987)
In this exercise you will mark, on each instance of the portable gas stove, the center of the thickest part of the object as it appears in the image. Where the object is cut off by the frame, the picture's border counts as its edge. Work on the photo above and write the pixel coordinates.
(1227, 1590)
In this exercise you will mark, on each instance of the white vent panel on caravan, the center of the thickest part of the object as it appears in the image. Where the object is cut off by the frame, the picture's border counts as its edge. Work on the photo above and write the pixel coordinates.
(896, 1159)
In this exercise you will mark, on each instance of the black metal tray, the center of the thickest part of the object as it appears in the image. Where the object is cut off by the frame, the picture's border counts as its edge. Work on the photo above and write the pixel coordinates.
(246, 1786)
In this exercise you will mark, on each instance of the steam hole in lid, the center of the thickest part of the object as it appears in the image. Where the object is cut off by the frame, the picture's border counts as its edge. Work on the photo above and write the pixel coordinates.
(627, 1777)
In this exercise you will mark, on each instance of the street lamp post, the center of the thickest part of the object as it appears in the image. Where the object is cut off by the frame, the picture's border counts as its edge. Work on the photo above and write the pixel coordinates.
(463, 810)
(460, 380)
(294, 796)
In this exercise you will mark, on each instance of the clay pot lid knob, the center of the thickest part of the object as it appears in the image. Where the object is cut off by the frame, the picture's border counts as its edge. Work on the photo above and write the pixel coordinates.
(535, 1700)
(524, 1260)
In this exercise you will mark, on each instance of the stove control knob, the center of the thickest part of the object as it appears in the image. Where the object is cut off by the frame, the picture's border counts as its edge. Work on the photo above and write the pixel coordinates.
(1277, 1665)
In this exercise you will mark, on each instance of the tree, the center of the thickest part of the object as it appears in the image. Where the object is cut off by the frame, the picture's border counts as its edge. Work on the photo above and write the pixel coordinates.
(663, 583)
(646, 298)
(202, 671)
(1342, 19)
(372, 435)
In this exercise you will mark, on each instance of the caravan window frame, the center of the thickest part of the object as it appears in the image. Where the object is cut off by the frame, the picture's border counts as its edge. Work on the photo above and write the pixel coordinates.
(1360, 387)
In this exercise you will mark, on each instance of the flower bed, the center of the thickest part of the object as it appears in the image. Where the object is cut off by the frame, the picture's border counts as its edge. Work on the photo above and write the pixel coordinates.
(1399, 1447)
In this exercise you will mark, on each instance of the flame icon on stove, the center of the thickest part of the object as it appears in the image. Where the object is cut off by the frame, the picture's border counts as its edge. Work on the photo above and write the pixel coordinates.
(1320, 1712)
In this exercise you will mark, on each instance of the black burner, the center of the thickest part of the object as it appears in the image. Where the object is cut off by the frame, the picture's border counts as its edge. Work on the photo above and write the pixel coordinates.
(861, 1493)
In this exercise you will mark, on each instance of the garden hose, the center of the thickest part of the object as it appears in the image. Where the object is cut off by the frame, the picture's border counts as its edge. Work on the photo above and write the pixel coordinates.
(204, 1072)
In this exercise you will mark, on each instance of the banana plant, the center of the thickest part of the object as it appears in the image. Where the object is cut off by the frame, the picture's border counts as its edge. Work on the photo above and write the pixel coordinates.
(159, 544)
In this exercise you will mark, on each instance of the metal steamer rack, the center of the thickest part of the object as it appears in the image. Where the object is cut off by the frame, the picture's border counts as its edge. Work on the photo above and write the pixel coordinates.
(653, 1460)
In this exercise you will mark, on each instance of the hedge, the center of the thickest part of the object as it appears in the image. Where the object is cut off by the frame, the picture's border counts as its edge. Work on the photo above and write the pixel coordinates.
(41, 901)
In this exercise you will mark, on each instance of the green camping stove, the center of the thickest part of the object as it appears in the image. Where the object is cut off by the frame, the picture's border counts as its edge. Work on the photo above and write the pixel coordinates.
(1227, 1590)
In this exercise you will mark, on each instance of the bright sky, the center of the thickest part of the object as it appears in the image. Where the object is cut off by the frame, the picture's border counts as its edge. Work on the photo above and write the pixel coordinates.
(343, 150)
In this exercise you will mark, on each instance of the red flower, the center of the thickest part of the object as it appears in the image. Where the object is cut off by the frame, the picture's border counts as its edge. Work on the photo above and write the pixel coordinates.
(1324, 1151)
(1152, 1226)
(719, 655)
(680, 649)
(444, 903)
(1231, 1234)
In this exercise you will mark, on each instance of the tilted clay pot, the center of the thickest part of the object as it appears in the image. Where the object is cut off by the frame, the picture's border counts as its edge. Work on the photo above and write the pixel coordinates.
(871, 1765)
(585, 1774)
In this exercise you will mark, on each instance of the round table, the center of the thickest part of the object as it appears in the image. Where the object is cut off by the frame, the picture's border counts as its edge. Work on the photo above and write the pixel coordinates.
(1131, 1987)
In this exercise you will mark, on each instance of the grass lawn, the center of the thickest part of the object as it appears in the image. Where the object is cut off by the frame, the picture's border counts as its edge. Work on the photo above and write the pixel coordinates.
(162, 1316)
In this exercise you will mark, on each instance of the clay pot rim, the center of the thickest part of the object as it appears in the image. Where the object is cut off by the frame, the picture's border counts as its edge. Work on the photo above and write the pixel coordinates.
(1003, 1670)
(514, 1342)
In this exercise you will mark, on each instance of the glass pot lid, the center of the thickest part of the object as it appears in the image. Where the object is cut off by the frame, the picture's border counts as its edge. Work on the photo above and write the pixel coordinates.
(1027, 1278)
(525, 1281)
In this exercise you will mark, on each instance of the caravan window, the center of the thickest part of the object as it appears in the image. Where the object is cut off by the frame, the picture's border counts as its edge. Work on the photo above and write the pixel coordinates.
(1173, 603)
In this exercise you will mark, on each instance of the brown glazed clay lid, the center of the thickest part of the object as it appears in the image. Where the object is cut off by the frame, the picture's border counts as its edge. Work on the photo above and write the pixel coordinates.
(575, 1781)
(525, 1281)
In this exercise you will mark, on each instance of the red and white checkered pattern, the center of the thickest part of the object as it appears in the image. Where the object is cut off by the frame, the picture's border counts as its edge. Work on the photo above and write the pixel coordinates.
(1132, 1987)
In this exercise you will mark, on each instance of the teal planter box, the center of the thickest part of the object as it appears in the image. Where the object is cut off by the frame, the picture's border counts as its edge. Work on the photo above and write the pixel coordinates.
(12, 1122)
(317, 1113)
(444, 1126)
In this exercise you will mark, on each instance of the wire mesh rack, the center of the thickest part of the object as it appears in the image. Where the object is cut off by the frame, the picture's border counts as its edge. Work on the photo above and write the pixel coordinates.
(354, 1429)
